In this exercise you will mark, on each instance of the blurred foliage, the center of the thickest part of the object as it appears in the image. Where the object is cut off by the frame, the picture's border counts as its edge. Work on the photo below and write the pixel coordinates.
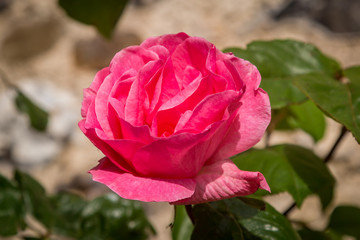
(67, 214)
(103, 14)
(38, 117)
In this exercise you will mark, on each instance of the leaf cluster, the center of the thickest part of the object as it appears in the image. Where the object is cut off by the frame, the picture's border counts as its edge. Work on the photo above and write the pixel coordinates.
(66, 214)
(304, 86)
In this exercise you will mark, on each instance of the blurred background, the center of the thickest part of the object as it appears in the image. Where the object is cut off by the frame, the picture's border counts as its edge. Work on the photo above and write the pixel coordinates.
(52, 57)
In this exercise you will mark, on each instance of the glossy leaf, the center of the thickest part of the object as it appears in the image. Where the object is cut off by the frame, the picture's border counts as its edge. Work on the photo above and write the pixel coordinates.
(308, 234)
(345, 220)
(305, 116)
(103, 14)
(38, 117)
(35, 199)
(182, 227)
(290, 168)
(234, 219)
(340, 101)
(12, 212)
(279, 61)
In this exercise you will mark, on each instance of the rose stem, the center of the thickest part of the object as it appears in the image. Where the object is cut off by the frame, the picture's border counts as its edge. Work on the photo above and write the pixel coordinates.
(326, 160)
(190, 213)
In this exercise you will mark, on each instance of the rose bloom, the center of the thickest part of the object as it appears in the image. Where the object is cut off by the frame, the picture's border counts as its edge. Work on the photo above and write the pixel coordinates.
(168, 114)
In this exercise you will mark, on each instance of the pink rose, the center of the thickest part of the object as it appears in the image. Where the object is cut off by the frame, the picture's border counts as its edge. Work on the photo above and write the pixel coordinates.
(168, 114)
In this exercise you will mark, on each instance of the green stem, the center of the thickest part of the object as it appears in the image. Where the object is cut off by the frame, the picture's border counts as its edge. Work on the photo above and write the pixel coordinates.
(331, 153)
(189, 212)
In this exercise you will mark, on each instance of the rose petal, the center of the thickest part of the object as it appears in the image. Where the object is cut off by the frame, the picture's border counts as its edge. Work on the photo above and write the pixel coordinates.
(170, 41)
(133, 57)
(222, 180)
(161, 51)
(189, 75)
(247, 72)
(104, 147)
(177, 156)
(169, 113)
(119, 95)
(233, 79)
(162, 90)
(134, 108)
(139, 188)
(128, 131)
(91, 119)
(234, 74)
(90, 93)
(253, 118)
(211, 110)
(194, 52)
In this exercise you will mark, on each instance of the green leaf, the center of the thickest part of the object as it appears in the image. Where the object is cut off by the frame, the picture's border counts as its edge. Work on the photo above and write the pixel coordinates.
(182, 227)
(345, 220)
(12, 214)
(308, 234)
(279, 61)
(282, 92)
(103, 14)
(111, 217)
(297, 117)
(340, 101)
(35, 199)
(234, 219)
(38, 117)
(69, 207)
(292, 169)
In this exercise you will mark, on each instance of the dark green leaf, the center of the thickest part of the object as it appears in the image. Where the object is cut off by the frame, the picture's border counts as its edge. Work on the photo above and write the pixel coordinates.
(305, 116)
(38, 117)
(69, 208)
(182, 227)
(36, 201)
(279, 61)
(234, 219)
(292, 169)
(6, 183)
(269, 224)
(103, 14)
(12, 212)
(340, 101)
(345, 220)
(222, 226)
(308, 234)
(111, 217)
